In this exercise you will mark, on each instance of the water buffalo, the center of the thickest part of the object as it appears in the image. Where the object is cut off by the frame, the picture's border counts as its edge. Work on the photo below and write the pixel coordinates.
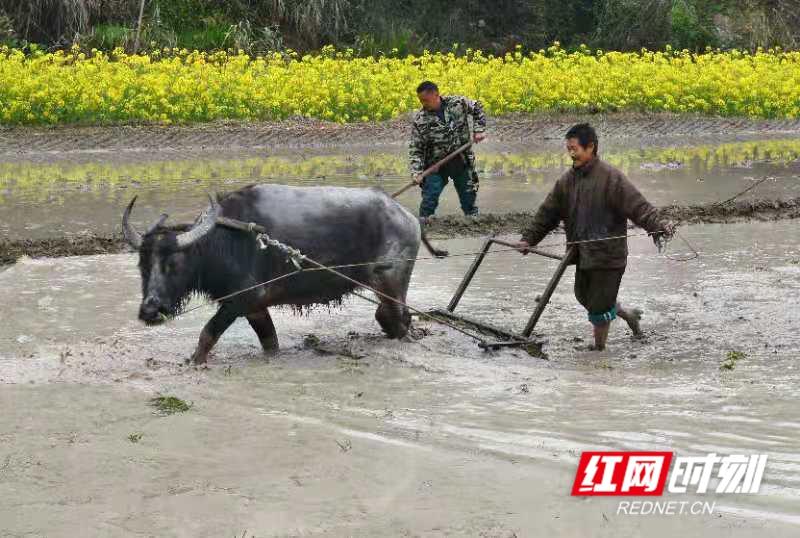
(332, 225)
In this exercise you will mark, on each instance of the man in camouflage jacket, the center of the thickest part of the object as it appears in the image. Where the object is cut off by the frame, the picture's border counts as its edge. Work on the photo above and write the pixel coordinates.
(439, 128)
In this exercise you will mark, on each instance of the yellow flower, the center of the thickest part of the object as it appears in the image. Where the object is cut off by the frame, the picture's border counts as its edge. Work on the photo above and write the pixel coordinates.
(180, 85)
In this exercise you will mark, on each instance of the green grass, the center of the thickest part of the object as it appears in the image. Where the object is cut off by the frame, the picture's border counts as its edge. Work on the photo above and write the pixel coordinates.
(731, 359)
(209, 38)
(106, 37)
(169, 405)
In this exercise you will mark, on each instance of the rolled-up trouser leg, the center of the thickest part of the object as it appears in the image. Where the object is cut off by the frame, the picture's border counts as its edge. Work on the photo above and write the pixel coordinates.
(597, 291)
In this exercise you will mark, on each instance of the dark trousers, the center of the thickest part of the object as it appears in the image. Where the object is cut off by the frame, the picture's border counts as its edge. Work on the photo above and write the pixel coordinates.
(596, 290)
(434, 184)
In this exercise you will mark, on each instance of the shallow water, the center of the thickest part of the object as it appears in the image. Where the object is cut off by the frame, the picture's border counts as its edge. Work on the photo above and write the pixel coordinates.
(70, 323)
(59, 193)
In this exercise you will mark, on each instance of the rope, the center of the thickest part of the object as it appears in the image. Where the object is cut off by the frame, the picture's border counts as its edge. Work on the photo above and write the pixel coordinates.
(462, 254)
(297, 256)
(234, 294)
(748, 189)
(693, 256)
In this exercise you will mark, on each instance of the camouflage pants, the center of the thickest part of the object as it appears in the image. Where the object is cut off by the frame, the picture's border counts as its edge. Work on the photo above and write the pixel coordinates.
(465, 181)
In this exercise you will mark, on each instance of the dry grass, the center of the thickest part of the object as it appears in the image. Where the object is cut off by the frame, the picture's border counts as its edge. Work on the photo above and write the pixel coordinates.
(312, 21)
(310, 24)
(50, 20)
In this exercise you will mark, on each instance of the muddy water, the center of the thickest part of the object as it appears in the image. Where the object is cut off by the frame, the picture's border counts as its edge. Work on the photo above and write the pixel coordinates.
(363, 436)
(57, 193)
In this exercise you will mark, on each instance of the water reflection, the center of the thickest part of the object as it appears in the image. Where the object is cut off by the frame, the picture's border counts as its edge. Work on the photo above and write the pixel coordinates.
(95, 191)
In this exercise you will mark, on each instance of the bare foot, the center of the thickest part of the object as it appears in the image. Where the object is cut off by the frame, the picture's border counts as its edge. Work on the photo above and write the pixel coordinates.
(590, 347)
(632, 318)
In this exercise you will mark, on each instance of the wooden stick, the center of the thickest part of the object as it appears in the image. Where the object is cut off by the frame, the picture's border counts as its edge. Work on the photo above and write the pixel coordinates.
(240, 225)
(138, 28)
(433, 168)
(548, 292)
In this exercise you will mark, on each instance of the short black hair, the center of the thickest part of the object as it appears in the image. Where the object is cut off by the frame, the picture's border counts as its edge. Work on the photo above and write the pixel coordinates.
(585, 134)
(427, 86)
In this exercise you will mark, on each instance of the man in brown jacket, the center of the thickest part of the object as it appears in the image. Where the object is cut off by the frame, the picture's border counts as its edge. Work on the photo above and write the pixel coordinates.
(595, 201)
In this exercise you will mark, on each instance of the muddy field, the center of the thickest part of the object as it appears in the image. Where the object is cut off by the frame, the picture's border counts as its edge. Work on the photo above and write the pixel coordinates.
(62, 191)
(447, 226)
(345, 433)
(305, 133)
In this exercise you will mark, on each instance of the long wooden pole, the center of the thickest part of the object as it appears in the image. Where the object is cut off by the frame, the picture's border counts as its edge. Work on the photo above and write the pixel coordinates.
(434, 167)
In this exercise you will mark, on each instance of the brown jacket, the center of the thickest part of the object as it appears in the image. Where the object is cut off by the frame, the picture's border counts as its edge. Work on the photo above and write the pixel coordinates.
(595, 202)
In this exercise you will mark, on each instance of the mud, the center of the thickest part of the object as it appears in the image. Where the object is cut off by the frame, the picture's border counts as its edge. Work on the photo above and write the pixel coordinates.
(736, 211)
(345, 433)
(304, 132)
(79, 245)
(447, 226)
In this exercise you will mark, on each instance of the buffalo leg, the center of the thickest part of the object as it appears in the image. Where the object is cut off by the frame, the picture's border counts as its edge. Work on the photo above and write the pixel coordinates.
(394, 318)
(211, 333)
(392, 281)
(261, 322)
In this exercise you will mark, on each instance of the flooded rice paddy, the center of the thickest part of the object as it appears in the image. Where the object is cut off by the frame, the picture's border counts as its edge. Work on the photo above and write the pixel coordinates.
(53, 195)
(345, 433)
(78, 370)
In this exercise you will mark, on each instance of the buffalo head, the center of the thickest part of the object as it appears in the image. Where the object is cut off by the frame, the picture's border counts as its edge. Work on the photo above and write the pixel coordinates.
(165, 261)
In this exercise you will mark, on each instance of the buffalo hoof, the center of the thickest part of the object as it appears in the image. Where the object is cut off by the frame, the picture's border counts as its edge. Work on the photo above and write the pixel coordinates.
(394, 321)
(397, 332)
(270, 347)
(197, 358)
(270, 351)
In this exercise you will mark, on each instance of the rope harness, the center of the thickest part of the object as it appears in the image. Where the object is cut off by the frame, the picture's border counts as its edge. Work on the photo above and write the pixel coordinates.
(297, 258)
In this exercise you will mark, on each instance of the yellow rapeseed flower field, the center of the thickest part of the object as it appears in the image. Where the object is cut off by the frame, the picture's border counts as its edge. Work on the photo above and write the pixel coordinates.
(179, 86)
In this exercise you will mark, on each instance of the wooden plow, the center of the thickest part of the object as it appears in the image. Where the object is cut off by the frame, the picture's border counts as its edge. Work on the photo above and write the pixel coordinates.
(504, 338)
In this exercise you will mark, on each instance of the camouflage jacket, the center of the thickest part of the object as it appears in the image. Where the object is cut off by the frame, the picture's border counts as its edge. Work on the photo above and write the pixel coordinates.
(431, 140)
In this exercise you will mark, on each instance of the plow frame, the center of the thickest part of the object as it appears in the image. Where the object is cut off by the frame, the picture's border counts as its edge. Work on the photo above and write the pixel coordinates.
(505, 338)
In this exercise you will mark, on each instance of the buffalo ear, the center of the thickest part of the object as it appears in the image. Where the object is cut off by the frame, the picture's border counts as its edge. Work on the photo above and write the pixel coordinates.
(160, 222)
